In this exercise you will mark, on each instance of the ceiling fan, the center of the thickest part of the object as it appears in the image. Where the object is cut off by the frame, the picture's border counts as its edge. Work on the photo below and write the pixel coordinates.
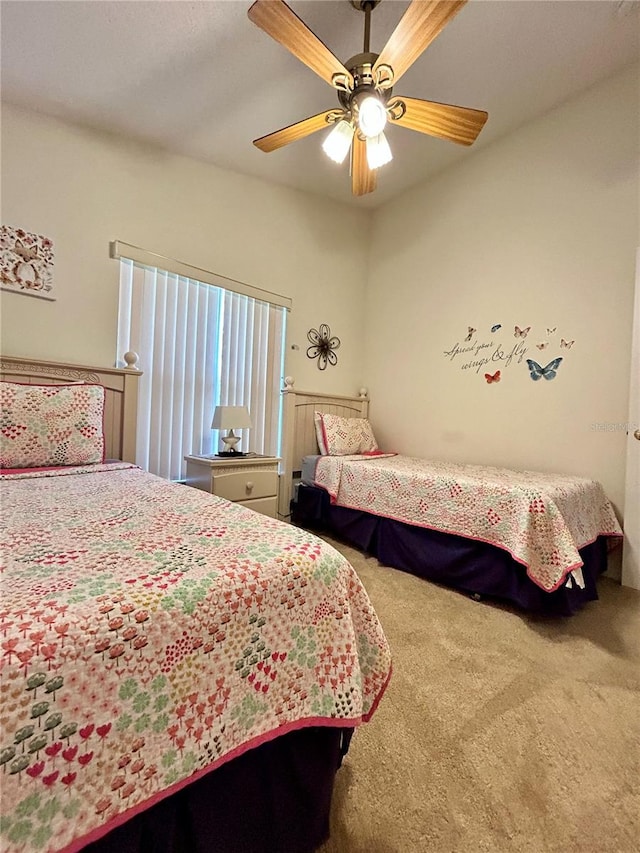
(364, 86)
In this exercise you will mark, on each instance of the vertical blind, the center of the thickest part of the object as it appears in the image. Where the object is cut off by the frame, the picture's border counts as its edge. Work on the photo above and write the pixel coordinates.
(199, 346)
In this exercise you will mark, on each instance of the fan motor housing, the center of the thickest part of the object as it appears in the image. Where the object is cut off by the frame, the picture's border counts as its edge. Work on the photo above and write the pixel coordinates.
(360, 67)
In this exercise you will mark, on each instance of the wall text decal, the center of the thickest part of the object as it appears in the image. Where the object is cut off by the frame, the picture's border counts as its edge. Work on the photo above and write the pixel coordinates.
(484, 355)
(479, 354)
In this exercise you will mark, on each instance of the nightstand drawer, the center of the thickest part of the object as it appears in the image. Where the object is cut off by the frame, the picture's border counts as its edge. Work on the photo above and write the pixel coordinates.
(267, 506)
(246, 485)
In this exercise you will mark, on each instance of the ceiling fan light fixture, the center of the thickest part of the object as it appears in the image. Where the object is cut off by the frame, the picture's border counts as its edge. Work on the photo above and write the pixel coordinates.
(337, 143)
(372, 116)
(364, 85)
(378, 151)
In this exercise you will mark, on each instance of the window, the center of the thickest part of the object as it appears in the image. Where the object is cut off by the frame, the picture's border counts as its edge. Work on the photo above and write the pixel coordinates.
(199, 346)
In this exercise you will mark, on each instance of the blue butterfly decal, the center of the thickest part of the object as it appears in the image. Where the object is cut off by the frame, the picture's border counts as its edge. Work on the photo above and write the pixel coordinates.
(496, 327)
(549, 372)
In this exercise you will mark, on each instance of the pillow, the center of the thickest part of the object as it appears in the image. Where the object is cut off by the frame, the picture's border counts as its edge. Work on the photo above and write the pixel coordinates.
(345, 436)
(317, 419)
(43, 425)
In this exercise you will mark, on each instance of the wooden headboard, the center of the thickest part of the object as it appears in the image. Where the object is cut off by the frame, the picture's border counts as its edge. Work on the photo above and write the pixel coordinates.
(299, 432)
(121, 394)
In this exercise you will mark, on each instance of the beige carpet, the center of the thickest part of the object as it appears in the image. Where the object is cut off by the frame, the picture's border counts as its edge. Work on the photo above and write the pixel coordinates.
(498, 731)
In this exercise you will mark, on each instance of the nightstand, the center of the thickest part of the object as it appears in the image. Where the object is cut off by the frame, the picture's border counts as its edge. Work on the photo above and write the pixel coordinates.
(250, 480)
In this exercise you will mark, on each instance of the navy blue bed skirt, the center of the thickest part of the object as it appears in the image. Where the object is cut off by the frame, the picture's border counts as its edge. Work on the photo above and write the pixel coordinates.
(473, 567)
(276, 797)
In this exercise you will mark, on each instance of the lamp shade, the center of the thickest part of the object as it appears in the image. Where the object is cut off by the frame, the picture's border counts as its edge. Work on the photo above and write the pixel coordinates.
(231, 417)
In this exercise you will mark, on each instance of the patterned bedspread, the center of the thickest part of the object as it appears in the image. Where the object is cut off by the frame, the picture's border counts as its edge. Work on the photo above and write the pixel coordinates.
(151, 632)
(541, 519)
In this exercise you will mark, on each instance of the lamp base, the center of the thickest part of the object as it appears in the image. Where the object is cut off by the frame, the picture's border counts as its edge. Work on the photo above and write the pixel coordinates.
(230, 441)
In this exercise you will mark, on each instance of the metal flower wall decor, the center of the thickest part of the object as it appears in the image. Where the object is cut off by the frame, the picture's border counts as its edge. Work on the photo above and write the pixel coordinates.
(323, 346)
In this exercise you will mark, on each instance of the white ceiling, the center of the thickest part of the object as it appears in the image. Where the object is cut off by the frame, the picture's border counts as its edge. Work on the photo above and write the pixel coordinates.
(200, 79)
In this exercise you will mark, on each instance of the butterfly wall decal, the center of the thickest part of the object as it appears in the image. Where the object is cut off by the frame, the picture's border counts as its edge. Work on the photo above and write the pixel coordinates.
(549, 372)
(567, 344)
(470, 333)
(521, 333)
(543, 344)
(496, 327)
(494, 378)
(552, 331)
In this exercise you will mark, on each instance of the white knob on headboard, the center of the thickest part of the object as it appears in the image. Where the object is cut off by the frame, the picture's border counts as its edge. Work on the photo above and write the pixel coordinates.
(288, 383)
(131, 359)
(363, 392)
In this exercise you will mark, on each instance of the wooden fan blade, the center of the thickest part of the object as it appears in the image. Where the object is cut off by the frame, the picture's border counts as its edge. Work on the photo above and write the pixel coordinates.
(283, 25)
(458, 124)
(293, 132)
(418, 27)
(363, 179)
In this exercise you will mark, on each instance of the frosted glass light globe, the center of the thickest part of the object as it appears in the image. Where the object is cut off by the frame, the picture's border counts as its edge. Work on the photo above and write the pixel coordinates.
(338, 142)
(378, 151)
(372, 116)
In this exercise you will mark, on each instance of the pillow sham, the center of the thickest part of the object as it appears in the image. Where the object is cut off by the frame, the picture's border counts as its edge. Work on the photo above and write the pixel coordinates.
(317, 419)
(43, 425)
(346, 436)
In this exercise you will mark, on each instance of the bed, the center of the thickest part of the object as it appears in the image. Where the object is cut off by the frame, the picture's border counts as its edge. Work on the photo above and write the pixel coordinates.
(535, 540)
(179, 673)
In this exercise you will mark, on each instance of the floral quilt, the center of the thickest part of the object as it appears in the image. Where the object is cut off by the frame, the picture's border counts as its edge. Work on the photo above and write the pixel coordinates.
(541, 519)
(151, 632)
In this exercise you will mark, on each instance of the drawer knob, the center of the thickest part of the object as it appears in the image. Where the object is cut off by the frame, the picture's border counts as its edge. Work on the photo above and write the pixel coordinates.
(249, 486)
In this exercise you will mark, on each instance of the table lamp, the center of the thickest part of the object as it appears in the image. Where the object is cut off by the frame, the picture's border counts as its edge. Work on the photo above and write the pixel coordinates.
(231, 417)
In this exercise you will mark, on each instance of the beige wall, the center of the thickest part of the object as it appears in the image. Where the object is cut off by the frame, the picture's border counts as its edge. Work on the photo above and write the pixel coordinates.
(84, 189)
(539, 229)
